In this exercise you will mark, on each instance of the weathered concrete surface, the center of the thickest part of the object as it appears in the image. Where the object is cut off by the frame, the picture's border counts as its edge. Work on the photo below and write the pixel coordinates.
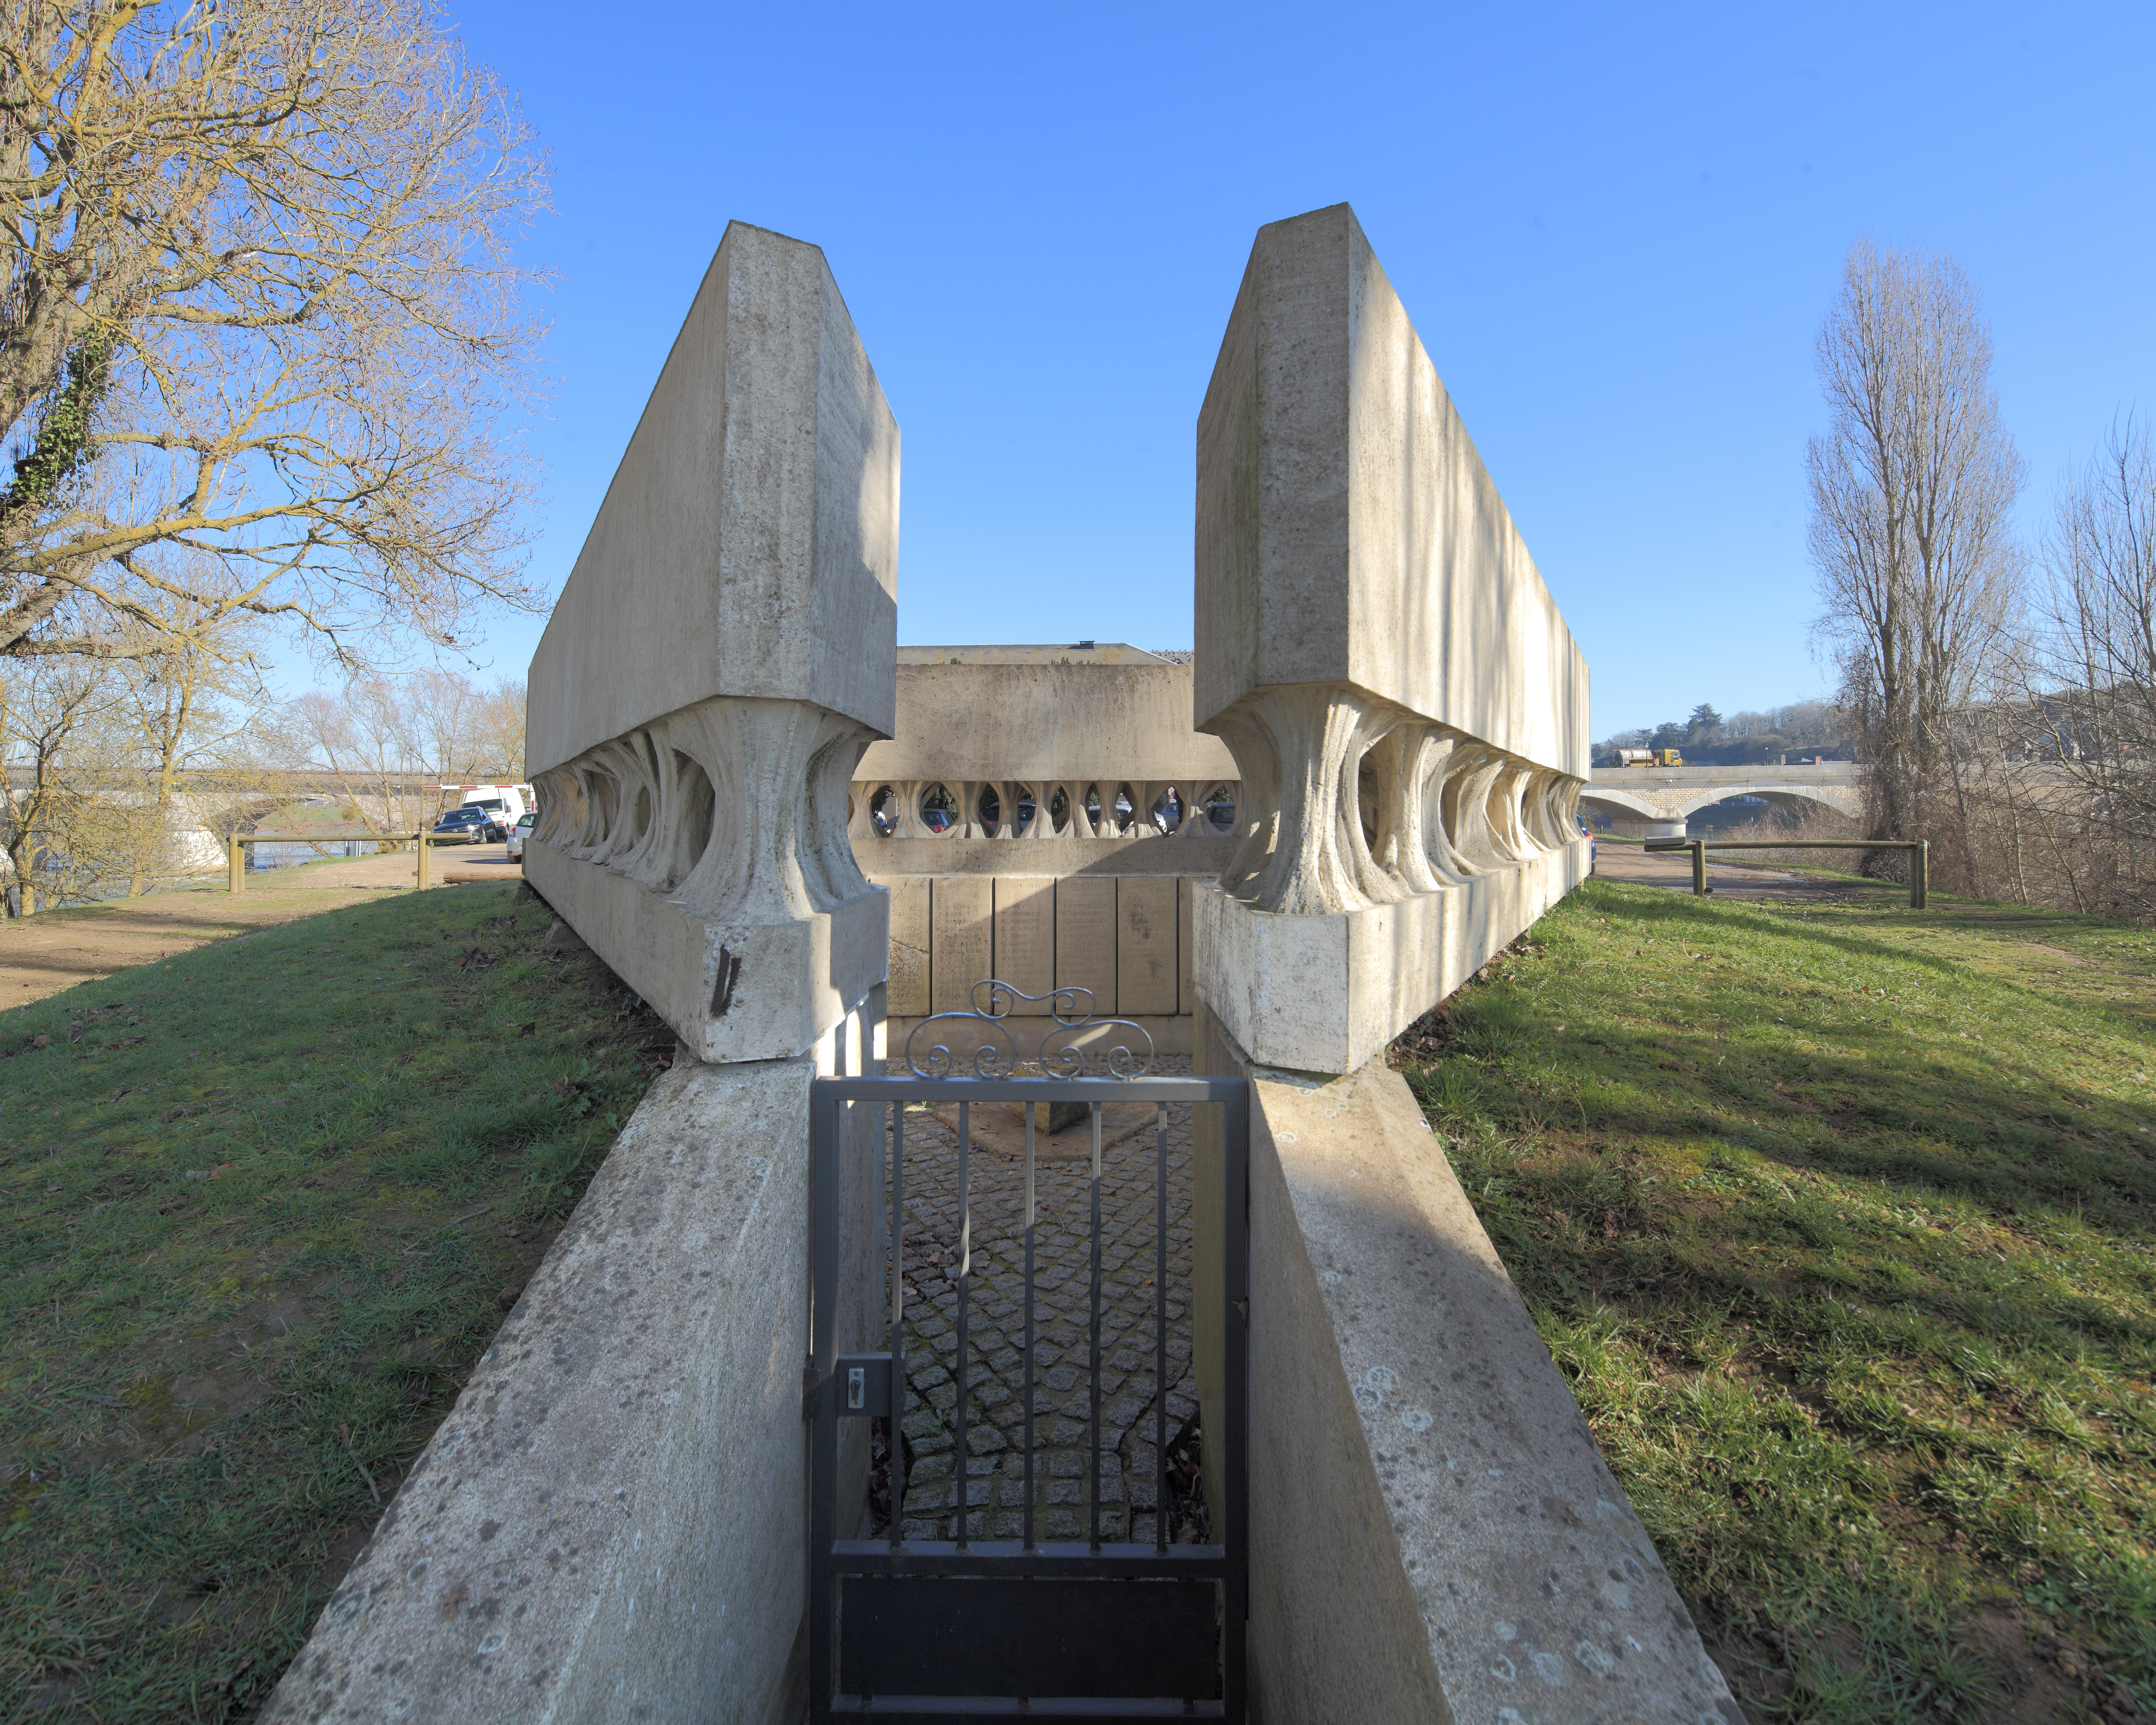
(748, 543)
(1348, 530)
(1434, 1535)
(610, 1523)
(1327, 993)
(1407, 709)
(1022, 713)
(739, 987)
(1143, 853)
(720, 655)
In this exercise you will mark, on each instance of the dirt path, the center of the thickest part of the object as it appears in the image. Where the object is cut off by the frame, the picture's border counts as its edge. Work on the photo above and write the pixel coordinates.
(1672, 868)
(43, 954)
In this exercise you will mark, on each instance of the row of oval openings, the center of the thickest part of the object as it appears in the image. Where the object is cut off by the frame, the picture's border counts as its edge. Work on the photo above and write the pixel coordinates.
(940, 811)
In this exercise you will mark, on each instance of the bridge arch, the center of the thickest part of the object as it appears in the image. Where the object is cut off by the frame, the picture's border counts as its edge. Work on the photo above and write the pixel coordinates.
(1657, 802)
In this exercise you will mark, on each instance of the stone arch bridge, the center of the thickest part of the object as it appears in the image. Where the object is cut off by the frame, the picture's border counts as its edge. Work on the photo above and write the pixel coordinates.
(1654, 802)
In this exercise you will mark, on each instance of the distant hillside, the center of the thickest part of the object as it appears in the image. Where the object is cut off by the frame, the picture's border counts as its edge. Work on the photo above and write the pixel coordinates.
(1799, 732)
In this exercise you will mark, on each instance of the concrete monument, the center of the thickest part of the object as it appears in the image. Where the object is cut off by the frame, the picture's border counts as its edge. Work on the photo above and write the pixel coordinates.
(1434, 1533)
(721, 656)
(1076, 814)
(1407, 708)
(609, 1524)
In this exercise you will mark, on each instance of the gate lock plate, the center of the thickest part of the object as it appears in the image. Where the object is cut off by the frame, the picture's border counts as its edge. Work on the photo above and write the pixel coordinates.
(863, 1383)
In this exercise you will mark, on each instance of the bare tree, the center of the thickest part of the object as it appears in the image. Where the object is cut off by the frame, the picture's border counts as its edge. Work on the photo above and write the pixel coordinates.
(366, 738)
(2087, 710)
(258, 318)
(1911, 486)
(75, 818)
(196, 710)
(500, 729)
(442, 709)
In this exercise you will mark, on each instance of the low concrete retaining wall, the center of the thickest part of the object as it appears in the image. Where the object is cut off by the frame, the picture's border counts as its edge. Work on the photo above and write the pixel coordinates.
(1327, 993)
(1434, 1533)
(610, 1523)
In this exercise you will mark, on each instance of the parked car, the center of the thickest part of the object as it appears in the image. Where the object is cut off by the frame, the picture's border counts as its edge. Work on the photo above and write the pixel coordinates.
(466, 826)
(523, 823)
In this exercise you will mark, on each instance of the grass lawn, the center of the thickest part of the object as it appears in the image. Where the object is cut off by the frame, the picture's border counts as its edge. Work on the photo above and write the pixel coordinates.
(1841, 1220)
(269, 1200)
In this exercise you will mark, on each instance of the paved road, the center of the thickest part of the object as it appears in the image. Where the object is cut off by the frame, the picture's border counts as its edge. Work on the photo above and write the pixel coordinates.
(1753, 881)
(995, 1333)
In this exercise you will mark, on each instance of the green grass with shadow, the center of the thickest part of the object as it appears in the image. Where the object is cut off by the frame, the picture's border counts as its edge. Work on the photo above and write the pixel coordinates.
(1841, 1220)
(269, 1201)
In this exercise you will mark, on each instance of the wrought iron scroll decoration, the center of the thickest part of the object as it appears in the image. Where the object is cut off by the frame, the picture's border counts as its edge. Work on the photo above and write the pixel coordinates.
(1058, 1055)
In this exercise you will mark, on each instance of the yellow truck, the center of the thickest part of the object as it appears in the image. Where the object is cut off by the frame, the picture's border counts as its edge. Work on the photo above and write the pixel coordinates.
(1649, 757)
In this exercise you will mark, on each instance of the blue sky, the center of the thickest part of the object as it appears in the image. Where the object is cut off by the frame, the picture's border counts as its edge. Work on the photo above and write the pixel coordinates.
(1617, 231)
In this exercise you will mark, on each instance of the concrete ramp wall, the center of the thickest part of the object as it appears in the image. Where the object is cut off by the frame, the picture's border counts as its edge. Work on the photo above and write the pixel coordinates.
(1434, 1534)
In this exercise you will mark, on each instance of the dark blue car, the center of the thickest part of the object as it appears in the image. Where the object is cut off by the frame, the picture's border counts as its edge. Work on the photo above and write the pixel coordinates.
(467, 826)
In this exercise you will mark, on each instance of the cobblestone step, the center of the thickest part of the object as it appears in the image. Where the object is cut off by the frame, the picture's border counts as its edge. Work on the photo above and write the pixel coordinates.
(995, 1408)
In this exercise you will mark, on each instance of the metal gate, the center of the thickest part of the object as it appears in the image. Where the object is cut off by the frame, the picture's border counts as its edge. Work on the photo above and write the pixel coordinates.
(1075, 1628)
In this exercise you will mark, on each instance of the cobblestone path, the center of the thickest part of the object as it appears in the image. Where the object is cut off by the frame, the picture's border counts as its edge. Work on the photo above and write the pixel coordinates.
(995, 1326)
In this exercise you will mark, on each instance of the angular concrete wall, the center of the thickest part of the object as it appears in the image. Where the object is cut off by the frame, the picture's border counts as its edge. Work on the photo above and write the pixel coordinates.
(1029, 713)
(1407, 710)
(748, 543)
(611, 1522)
(722, 652)
(1434, 1533)
(1349, 532)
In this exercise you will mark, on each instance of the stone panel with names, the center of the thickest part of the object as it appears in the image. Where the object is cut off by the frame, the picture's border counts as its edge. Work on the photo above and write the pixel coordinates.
(1145, 945)
(1186, 1000)
(1025, 936)
(908, 989)
(961, 908)
(1086, 936)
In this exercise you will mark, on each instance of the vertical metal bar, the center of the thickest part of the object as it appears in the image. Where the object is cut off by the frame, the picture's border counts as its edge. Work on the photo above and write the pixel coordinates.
(1160, 1341)
(1699, 868)
(235, 863)
(1029, 1320)
(1920, 875)
(824, 1436)
(965, 1268)
(897, 1323)
(1234, 1469)
(1093, 1492)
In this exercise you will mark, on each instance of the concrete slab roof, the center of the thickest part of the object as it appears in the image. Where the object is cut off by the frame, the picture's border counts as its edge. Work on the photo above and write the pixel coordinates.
(1077, 653)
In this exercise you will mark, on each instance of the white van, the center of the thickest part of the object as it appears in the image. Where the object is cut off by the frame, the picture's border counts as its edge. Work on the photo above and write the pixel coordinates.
(504, 803)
